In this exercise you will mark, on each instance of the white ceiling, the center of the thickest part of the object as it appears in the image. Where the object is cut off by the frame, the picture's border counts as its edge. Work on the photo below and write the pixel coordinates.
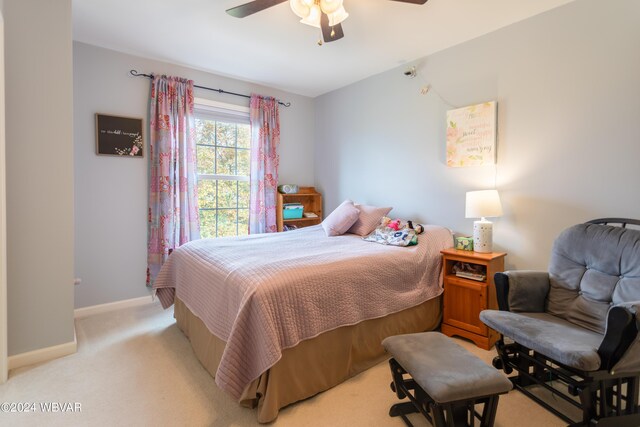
(272, 48)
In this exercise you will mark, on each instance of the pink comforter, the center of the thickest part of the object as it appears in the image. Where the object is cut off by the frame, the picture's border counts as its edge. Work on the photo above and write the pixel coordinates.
(265, 293)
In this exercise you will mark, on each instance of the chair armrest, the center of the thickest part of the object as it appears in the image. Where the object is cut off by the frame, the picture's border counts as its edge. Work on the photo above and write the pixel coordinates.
(620, 348)
(522, 291)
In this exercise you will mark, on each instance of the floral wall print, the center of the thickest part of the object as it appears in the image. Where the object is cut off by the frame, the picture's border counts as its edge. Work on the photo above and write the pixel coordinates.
(119, 136)
(471, 135)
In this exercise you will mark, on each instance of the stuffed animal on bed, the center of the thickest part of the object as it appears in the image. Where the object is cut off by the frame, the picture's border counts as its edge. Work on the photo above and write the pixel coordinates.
(395, 224)
(398, 225)
(418, 228)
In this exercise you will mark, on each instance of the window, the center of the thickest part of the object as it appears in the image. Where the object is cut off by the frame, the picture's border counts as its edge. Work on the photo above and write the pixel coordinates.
(223, 143)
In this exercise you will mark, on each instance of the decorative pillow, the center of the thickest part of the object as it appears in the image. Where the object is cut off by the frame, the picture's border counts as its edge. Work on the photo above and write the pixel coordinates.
(339, 221)
(368, 219)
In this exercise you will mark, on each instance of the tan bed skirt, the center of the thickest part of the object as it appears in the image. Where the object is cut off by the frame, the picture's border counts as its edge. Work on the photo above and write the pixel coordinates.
(334, 356)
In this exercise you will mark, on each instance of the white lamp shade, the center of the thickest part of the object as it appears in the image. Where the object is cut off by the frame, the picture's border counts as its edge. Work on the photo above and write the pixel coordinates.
(484, 203)
(338, 16)
(330, 6)
(300, 8)
(313, 18)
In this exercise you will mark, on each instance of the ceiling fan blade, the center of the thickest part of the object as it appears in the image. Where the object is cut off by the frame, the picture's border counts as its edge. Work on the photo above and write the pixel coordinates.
(252, 7)
(329, 33)
(412, 1)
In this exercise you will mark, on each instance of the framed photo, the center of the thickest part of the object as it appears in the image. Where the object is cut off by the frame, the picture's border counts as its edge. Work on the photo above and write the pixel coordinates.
(119, 136)
(471, 135)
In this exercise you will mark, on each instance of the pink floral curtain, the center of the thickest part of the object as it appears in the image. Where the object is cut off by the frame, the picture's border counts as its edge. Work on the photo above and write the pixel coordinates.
(173, 195)
(265, 137)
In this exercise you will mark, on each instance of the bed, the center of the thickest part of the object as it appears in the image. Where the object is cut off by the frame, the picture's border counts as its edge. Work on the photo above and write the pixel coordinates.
(276, 318)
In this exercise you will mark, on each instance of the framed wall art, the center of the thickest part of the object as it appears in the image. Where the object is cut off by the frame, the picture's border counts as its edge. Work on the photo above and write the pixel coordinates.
(471, 135)
(119, 136)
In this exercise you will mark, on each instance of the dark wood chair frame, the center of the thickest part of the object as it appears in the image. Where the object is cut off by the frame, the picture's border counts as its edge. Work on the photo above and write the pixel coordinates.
(605, 399)
(461, 413)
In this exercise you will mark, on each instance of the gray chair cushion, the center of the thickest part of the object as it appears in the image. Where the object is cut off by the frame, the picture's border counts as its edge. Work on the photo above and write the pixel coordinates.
(527, 290)
(550, 335)
(593, 267)
(444, 370)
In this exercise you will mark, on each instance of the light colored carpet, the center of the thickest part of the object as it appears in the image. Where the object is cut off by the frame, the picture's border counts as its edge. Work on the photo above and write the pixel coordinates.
(135, 367)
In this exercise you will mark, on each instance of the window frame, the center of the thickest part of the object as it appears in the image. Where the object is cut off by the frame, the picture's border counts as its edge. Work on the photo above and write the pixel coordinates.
(205, 109)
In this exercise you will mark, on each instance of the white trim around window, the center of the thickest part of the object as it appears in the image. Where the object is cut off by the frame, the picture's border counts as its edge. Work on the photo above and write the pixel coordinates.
(224, 177)
(205, 104)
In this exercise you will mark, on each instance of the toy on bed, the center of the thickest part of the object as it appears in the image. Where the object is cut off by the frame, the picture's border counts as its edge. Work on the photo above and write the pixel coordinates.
(394, 225)
(398, 225)
(395, 232)
(419, 228)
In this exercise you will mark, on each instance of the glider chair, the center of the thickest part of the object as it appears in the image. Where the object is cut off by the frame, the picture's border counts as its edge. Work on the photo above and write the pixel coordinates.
(574, 330)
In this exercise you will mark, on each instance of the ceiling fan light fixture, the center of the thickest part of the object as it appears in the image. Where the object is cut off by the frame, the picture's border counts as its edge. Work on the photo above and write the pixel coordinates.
(324, 14)
(330, 6)
(300, 7)
(338, 16)
(313, 18)
(310, 11)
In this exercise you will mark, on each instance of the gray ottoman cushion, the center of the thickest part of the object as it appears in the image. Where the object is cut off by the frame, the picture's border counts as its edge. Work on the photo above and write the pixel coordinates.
(444, 370)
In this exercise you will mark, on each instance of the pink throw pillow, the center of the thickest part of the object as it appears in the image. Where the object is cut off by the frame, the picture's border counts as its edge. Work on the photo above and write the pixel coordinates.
(368, 219)
(339, 221)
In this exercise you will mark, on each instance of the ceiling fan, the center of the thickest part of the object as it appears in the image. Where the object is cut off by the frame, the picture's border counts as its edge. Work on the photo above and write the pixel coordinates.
(324, 14)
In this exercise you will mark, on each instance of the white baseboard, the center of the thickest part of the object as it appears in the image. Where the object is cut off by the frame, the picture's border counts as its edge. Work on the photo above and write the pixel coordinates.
(43, 354)
(60, 350)
(79, 313)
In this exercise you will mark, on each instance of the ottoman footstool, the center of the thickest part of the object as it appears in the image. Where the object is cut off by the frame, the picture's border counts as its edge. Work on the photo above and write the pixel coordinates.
(445, 382)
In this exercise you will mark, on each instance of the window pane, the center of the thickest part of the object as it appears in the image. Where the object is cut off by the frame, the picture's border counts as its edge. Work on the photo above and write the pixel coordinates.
(243, 194)
(227, 193)
(226, 134)
(206, 158)
(226, 161)
(227, 222)
(205, 132)
(244, 157)
(207, 194)
(244, 136)
(223, 148)
(243, 222)
(207, 224)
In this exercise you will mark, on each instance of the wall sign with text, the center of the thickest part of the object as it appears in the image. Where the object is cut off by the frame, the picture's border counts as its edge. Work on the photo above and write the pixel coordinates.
(471, 135)
(119, 136)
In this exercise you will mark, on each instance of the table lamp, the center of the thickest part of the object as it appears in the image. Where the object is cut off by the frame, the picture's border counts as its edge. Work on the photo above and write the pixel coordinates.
(481, 204)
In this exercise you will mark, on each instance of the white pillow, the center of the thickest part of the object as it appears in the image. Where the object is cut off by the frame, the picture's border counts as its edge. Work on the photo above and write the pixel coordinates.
(339, 221)
(368, 219)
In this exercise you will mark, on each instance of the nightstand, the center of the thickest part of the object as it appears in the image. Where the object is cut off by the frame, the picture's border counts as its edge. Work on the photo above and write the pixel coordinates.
(464, 298)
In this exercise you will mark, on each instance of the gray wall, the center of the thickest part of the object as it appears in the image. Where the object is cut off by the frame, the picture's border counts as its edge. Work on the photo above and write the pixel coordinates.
(567, 84)
(3, 215)
(39, 152)
(111, 192)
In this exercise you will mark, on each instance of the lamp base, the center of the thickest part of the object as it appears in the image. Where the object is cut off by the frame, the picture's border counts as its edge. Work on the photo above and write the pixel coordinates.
(483, 236)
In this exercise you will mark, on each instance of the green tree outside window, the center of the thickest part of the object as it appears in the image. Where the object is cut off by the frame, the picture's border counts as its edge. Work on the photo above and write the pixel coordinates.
(223, 158)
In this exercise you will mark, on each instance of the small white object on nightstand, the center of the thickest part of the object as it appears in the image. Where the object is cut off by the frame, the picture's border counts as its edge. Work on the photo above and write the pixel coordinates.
(481, 204)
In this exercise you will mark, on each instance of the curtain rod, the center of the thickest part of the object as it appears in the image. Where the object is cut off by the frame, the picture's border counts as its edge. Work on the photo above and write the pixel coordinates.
(149, 76)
